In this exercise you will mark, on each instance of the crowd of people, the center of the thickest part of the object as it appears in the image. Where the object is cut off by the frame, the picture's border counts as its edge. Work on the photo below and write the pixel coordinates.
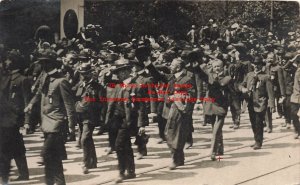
(76, 85)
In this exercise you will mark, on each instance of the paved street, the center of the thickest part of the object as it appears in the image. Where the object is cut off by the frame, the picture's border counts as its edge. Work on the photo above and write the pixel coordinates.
(278, 162)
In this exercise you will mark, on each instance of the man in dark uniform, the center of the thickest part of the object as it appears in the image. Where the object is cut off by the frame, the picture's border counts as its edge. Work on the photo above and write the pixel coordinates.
(139, 114)
(88, 110)
(119, 113)
(18, 88)
(56, 103)
(259, 90)
(289, 71)
(276, 74)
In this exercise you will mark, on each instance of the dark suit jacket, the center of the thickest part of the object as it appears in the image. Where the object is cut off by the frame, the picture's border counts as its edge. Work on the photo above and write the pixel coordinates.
(140, 107)
(118, 107)
(289, 75)
(176, 112)
(8, 113)
(186, 78)
(56, 103)
(278, 81)
(217, 92)
(88, 105)
(19, 95)
(261, 93)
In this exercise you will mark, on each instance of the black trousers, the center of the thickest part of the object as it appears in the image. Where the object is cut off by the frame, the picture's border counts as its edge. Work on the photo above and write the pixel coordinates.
(217, 146)
(295, 118)
(12, 147)
(161, 126)
(124, 151)
(287, 109)
(88, 146)
(139, 140)
(257, 119)
(53, 154)
(177, 156)
(235, 109)
(268, 118)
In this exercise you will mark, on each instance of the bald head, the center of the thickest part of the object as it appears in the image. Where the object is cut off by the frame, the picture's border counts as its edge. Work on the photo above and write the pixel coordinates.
(176, 65)
(271, 57)
(217, 65)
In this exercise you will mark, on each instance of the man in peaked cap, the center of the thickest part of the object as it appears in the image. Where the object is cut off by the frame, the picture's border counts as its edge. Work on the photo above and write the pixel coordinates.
(56, 103)
(118, 117)
(88, 108)
(258, 88)
(289, 71)
(17, 92)
(276, 74)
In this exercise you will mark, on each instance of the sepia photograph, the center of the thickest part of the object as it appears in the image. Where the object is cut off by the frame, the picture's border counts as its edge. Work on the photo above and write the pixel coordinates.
(149, 92)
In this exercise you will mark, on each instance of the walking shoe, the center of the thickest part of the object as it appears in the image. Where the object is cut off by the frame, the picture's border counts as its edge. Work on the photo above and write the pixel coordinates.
(21, 178)
(172, 166)
(257, 146)
(120, 178)
(236, 126)
(130, 176)
(41, 162)
(189, 145)
(296, 136)
(288, 125)
(139, 156)
(161, 141)
(85, 170)
(108, 151)
(213, 157)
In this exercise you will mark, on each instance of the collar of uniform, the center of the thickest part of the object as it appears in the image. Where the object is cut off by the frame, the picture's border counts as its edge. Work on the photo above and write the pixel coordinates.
(178, 74)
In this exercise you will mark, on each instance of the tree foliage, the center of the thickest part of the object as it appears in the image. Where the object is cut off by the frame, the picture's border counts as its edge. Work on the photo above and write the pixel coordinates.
(20, 18)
